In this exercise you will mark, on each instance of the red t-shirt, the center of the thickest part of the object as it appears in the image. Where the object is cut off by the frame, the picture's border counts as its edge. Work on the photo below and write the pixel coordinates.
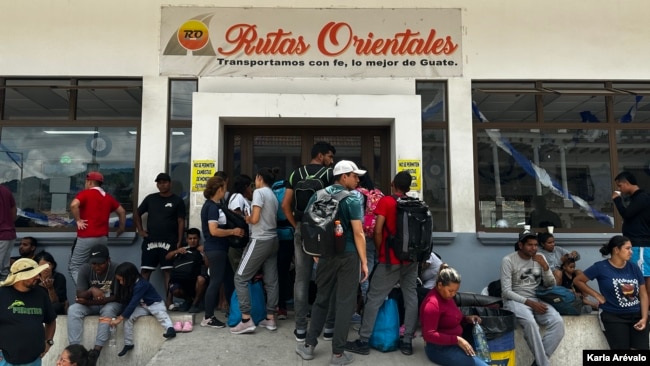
(387, 207)
(95, 207)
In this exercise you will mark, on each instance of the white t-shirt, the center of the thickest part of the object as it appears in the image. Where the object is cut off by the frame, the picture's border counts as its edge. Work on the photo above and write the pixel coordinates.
(428, 275)
(238, 201)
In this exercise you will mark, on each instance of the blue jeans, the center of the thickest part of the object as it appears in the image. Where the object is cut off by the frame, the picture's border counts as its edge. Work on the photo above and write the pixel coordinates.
(3, 362)
(450, 356)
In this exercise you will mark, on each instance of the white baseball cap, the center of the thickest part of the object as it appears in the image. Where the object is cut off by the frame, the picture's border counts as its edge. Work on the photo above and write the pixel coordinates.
(346, 166)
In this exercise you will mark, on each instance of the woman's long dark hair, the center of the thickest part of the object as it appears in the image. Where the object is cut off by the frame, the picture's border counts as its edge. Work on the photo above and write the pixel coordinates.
(129, 272)
(80, 356)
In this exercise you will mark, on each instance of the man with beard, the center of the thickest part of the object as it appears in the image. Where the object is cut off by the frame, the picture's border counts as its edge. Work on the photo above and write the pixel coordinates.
(521, 273)
(95, 296)
(27, 318)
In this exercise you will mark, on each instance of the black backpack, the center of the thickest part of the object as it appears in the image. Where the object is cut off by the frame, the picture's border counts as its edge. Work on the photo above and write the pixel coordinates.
(233, 221)
(412, 242)
(187, 266)
(306, 187)
(317, 225)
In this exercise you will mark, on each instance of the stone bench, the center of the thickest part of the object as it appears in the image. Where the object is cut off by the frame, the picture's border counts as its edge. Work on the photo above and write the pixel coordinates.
(147, 338)
(581, 332)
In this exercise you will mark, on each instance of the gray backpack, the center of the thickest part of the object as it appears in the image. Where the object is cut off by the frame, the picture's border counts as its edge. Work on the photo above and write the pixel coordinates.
(317, 225)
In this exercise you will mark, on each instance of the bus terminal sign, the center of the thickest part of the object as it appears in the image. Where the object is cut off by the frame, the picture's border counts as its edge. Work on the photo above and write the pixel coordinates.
(282, 42)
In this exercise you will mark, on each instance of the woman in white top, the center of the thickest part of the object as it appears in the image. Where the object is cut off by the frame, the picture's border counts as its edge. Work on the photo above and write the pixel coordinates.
(260, 253)
(239, 202)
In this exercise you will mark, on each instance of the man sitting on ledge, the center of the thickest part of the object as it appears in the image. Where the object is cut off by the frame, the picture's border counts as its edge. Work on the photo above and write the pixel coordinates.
(521, 273)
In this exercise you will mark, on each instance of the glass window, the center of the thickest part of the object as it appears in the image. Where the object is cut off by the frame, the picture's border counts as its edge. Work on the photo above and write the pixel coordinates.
(434, 177)
(109, 99)
(44, 160)
(522, 171)
(180, 150)
(45, 167)
(505, 102)
(434, 152)
(434, 98)
(37, 99)
(181, 99)
(634, 154)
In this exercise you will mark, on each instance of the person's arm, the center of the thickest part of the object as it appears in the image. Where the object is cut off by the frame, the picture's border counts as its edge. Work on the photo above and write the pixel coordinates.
(360, 244)
(287, 206)
(50, 329)
(643, 297)
(254, 218)
(173, 253)
(121, 214)
(181, 230)
(506, 282)
(634, 208)
(14, 213)
(548, 279)
(137, 221)
(76, 213)
(379, 231)
(580, 282)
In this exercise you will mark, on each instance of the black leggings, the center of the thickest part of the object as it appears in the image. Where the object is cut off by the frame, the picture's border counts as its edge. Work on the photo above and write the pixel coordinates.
(220, 272)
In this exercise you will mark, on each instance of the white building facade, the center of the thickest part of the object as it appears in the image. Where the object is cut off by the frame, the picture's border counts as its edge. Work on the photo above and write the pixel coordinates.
(137, 88)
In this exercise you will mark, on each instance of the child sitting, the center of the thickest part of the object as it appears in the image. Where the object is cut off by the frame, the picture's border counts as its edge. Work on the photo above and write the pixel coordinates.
(569, 272)
(138, 298)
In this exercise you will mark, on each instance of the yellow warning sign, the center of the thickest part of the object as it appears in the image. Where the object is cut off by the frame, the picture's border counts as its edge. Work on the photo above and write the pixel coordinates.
(415, 168)
(202, 170)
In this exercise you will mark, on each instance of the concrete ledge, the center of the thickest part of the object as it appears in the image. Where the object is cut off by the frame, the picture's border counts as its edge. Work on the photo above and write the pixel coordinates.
(580, 332)
(147, 338)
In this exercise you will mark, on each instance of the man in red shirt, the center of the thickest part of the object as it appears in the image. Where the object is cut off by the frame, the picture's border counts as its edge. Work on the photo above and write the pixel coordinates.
(389, 272)
(91, 210)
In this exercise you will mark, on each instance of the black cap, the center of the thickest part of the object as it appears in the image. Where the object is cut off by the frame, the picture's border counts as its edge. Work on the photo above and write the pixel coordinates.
(163, 176)
(98, 254)
(525, 235)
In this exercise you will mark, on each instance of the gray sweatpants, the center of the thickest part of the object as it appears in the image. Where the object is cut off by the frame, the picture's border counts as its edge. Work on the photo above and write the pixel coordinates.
(157, 309)
(542, 347)
(384, 278)
(81, 253)
(259, 253)
(76, 314)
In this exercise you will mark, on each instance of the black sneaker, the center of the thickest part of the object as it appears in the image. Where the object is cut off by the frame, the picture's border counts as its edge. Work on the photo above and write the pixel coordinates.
(405, 347)
(170, 333)
(300, 337)
(328, 336)
(126, 349)
(93, 354)
(358, 346)
(212, 322)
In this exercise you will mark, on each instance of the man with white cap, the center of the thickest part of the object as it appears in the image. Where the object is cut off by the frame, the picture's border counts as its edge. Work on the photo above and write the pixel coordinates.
(91, 209)
(338, 275)
(27, 318)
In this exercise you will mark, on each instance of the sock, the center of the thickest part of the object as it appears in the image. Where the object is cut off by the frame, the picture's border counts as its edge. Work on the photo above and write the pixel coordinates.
(245, 320)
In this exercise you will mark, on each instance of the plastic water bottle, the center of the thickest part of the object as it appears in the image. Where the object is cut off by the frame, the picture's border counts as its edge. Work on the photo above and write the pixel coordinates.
(112, 341)
(480, 342)
(338, 229)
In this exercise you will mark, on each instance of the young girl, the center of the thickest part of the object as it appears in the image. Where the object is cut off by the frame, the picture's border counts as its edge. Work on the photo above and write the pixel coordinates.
(138, 298)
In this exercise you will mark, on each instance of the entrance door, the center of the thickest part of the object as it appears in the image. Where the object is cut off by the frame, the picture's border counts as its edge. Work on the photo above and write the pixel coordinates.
(248, 148)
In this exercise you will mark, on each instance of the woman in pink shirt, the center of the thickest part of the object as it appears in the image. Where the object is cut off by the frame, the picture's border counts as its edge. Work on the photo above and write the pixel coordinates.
(441, 323)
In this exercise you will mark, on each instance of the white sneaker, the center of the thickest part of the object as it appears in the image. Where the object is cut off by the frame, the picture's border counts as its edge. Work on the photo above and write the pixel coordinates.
(242, 328)
(268, 324)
